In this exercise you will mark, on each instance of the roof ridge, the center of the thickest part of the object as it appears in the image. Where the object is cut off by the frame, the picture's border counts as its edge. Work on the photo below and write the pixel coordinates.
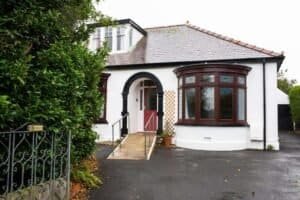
(167, 26)
(234, 41)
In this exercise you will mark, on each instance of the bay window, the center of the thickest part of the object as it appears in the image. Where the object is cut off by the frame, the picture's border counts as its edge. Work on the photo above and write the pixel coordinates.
(212, 94)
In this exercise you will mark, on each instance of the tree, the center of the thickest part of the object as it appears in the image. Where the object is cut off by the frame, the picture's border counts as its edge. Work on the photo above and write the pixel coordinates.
(284, 83)
(294, 96)
(47, 75)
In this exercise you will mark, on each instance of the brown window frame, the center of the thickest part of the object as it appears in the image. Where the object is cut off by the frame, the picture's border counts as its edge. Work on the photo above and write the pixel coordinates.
(217, 70)
(103, 91)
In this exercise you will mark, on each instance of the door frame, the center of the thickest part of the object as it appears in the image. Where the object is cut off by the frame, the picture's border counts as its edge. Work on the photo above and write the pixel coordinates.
(160, 94)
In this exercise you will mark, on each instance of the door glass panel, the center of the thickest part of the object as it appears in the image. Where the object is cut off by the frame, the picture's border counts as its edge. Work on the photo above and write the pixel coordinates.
(150, 99)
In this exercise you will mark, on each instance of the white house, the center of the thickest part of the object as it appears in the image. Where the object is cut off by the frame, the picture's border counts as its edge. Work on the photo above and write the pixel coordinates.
(213, 92)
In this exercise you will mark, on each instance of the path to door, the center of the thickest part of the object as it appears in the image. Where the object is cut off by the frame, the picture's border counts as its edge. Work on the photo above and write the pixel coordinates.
(137, 146)
(181, 174)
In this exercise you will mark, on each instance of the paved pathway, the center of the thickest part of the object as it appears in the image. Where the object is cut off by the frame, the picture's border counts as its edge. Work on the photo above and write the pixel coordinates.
(181, 174)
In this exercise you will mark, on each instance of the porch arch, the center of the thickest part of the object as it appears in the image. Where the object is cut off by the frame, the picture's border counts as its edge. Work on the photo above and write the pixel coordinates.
(160, 94)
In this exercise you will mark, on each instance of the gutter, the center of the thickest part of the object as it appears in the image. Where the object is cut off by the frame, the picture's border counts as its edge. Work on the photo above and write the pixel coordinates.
(278, 59)
(264, 105)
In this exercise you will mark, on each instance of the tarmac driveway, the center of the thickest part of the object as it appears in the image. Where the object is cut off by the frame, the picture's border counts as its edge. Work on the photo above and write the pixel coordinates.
(181, 174)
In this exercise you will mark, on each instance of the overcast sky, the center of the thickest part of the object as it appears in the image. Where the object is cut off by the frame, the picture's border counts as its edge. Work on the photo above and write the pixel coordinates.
(271, 24)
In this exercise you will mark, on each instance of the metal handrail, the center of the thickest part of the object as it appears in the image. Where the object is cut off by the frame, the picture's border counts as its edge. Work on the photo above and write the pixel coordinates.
(146, 144)
(113, 125)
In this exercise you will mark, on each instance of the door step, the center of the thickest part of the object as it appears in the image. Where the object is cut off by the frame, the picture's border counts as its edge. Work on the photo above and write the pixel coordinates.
(135, 146)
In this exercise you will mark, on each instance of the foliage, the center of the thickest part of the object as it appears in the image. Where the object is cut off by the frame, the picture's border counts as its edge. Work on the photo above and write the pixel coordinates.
(47, 75)
(167, 133)
(294, 96)
(83, 173)
(270, 147)
(283, 82)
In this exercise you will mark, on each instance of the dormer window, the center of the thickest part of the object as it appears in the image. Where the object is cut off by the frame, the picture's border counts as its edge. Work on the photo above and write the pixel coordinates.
(97, 38)
(108, 37)
(120, 38)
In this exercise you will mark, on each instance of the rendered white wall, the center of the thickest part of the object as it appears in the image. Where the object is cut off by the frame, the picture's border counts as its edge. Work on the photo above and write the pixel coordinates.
(212, 138)
(115, 86)
(255, 103)
(282, 98)
(272, 105)
(252, 136)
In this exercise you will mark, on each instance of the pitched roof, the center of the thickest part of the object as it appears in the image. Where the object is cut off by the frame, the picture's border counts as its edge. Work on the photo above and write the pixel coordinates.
(185, 43)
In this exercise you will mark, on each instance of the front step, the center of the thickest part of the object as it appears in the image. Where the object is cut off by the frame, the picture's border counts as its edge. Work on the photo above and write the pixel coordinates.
(135, 146)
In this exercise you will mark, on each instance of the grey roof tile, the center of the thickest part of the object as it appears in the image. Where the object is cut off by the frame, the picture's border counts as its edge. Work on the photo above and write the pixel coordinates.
(180, 43)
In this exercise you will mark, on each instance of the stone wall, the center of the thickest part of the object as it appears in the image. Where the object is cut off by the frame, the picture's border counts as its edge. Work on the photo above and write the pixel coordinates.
(50, 190)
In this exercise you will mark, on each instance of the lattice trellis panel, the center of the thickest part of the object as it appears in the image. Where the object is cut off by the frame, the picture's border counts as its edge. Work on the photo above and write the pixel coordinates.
(169, 115)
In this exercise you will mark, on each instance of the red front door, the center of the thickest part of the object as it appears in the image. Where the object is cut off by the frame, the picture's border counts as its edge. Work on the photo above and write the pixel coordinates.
(150, 111)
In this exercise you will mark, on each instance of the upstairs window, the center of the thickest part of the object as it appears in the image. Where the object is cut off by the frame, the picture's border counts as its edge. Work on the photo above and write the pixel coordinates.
(120, 38)
(97, 38)
(212, 95)
(108, 37)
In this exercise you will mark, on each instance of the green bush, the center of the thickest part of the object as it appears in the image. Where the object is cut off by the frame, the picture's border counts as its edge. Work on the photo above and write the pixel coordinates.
(86, 177)
(294, 96)
(47, 75)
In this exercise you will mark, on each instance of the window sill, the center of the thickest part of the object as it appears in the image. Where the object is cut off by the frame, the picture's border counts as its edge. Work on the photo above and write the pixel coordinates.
(213, 124)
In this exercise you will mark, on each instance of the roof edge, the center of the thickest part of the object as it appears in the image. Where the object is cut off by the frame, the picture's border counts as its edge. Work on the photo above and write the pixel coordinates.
(277, 59)
(123, 21)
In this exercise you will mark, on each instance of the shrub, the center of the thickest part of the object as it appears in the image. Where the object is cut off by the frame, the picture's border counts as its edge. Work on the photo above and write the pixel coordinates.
(47, 74)
(294, 96)
(84, 173)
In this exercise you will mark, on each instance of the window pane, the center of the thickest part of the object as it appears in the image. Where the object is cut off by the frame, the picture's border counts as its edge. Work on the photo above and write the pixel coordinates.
(97, 38)
(141, 99)
(102, 112)
(180, 81)
(241, 80)
(226, 79)
(207, 102)
(120, 38)
(226, 103)
(130, 37)
(190, 103)
(180, 104)
(190, 79)
(241, 104)
(208, 78)
(108, 37)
